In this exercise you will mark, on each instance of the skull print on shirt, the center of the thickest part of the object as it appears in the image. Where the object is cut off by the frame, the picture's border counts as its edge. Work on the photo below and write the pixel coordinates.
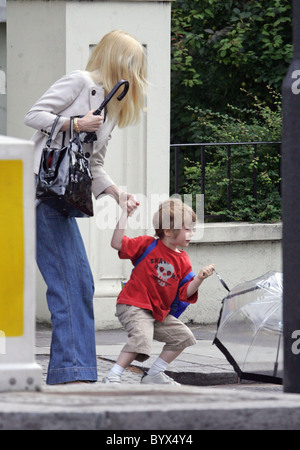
(164, 272)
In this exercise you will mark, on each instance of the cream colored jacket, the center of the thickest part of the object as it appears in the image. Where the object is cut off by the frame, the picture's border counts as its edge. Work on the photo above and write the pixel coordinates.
(74, 94)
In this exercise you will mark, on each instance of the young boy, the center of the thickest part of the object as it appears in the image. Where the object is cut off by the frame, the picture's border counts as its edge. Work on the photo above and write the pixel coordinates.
(143, 306)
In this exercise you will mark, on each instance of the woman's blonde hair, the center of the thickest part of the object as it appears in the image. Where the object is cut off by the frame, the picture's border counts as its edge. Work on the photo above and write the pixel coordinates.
(173, 215)
(120, 56)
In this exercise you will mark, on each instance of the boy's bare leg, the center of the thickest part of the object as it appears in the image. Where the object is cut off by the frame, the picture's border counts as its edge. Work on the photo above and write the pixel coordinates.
(126, 358)
(169, 355)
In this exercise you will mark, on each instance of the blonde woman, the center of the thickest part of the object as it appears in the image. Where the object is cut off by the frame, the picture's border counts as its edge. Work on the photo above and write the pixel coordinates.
(61, 256)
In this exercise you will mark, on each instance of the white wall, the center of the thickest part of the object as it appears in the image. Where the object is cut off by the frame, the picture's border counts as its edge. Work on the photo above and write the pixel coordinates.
(241, 252)
(55, 39)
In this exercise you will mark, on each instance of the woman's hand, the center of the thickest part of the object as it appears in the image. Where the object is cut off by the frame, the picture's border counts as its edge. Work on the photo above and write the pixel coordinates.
(129, 202)
(126, 200)
(89, 122)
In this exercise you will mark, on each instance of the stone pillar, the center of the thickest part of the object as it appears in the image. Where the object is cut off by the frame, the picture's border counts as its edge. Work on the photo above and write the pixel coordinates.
(57, 37)
(18, 369)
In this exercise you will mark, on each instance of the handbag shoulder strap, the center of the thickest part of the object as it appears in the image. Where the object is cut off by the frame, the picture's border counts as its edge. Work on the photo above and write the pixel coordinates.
(71, 129)
(74, 136)
(48, 143)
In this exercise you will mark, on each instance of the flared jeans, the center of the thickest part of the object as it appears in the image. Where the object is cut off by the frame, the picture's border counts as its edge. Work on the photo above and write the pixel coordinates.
(62, 260)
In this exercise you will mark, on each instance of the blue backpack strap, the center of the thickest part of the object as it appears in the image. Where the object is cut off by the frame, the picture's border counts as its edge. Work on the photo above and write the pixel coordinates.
(178, 307)
(187, 278)
(143, 256)
(146, 252)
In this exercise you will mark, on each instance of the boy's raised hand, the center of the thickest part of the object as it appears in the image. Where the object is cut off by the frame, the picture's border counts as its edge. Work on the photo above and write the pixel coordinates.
(206, 272)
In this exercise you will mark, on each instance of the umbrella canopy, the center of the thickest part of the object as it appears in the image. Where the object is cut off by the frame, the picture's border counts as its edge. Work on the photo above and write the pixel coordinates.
(249, 331)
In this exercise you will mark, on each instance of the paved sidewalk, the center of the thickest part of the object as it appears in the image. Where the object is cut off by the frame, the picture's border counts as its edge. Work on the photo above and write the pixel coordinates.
(209, 399)
(200, 365)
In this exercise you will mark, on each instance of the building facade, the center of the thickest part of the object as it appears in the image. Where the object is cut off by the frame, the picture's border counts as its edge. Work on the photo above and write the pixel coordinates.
(42, 40)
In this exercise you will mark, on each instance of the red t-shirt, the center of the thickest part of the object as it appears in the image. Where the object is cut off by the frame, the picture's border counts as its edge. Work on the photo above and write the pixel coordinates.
(154, 282)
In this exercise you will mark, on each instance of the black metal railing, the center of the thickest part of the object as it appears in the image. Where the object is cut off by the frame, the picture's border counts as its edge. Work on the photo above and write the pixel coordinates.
(178, 148)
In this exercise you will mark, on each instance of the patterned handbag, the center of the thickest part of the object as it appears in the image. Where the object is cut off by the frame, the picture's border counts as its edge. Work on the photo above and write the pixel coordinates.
(65, 179)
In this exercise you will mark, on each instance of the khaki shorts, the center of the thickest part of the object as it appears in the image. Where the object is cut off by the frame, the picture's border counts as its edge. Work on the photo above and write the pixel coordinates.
(142, 328)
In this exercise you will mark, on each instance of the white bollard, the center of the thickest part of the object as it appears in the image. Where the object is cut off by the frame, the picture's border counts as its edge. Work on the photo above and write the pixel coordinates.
(18, 368)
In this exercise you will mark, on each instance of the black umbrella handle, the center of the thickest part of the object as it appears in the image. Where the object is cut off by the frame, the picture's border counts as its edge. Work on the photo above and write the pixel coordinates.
(222, 281)
(90, 137)
(111, 94)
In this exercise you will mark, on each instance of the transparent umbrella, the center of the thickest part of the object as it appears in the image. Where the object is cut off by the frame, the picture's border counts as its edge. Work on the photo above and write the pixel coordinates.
(249, 331)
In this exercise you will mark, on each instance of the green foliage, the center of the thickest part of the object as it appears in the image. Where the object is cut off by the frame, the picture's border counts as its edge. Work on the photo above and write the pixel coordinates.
(221, 51)
(264, 125)
(263, 122)
(219, 48)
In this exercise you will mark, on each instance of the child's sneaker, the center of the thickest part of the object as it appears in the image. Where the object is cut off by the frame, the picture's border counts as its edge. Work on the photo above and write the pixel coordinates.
(160, 378)
(111, 379)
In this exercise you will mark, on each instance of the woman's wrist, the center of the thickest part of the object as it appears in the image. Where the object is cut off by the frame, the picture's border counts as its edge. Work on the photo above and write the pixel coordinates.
(114, 192)
(120, 196)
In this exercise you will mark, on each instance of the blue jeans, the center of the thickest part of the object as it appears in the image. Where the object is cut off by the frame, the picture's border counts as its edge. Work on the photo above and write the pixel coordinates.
(63, 262)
